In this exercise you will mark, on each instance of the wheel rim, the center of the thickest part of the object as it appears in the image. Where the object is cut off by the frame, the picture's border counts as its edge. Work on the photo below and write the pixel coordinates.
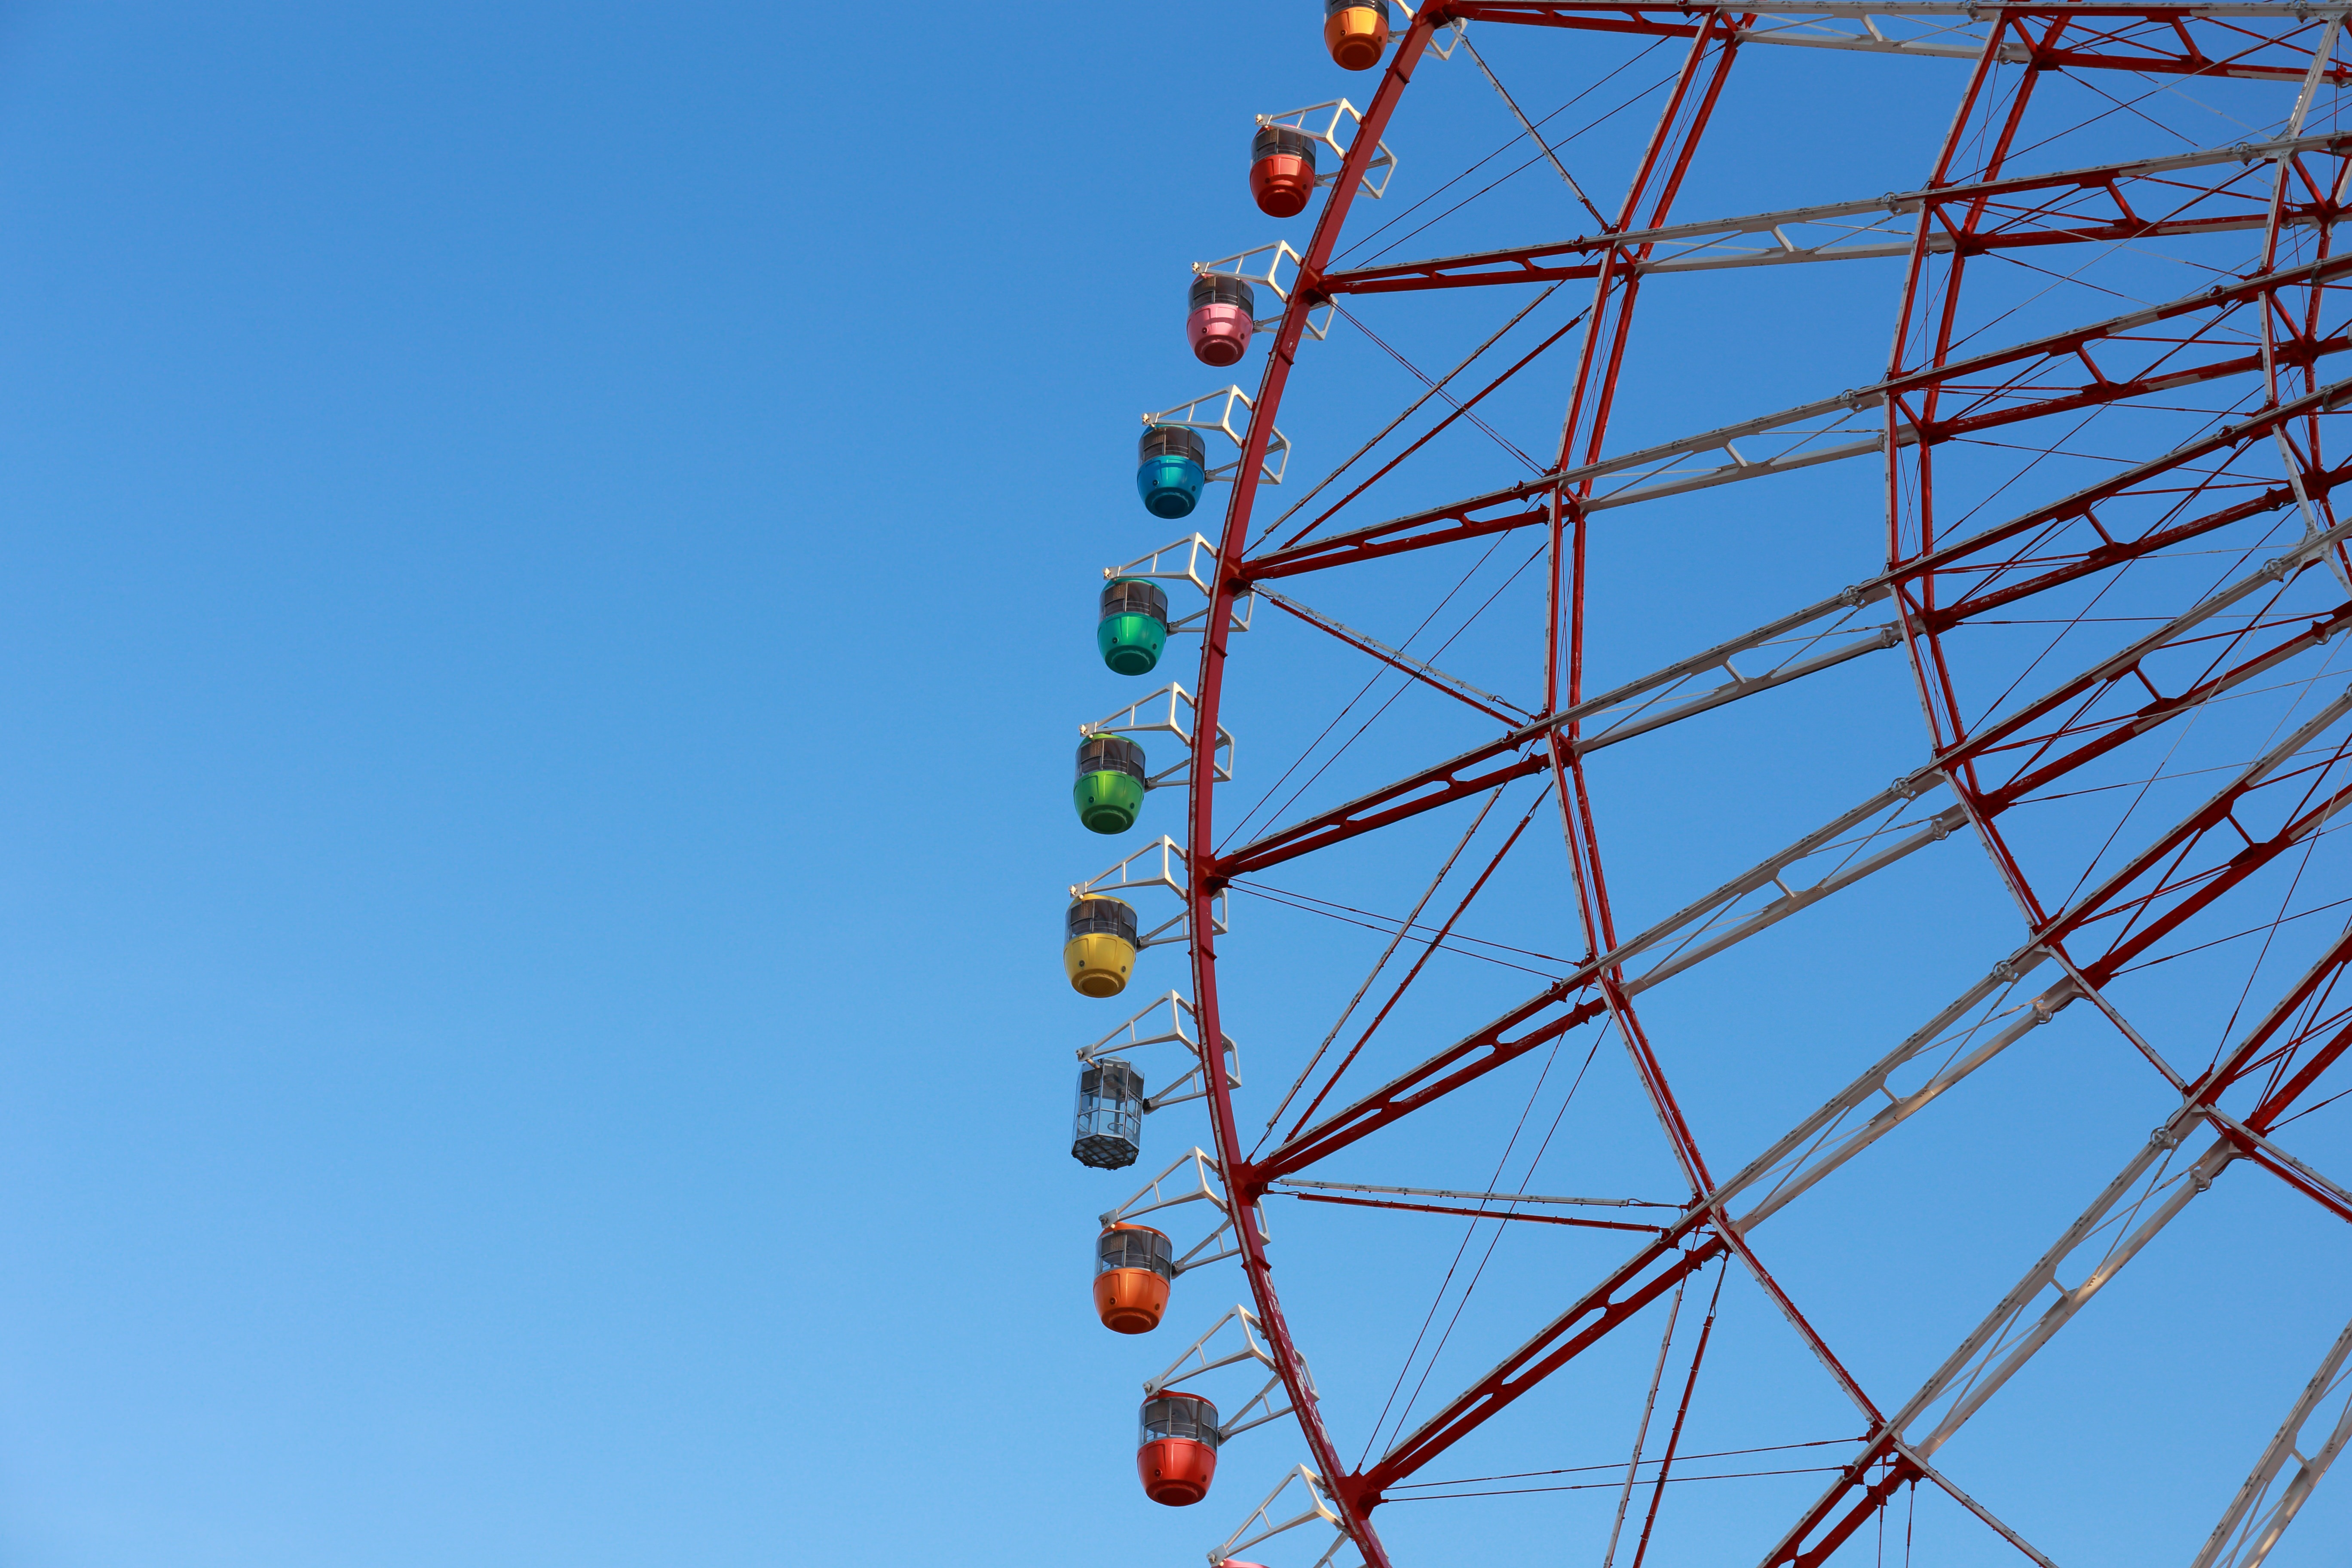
(1915, 428)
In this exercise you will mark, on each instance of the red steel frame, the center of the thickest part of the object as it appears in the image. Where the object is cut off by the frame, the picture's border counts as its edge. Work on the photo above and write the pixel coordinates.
(2150, 896)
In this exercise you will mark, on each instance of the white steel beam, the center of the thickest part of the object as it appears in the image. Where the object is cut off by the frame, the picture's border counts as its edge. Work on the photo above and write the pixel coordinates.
(2248, 1532)
(1971, 1375)
(1704, 244)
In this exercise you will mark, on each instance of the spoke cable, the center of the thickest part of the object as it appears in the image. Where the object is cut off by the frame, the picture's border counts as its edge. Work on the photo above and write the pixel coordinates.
(1403, 685)
(1414, 972)
(1681, 1412)
(1469, 1233)
(1427, 437)
(1642, 1431)
(1463, 1301)
(1520, 115)
(1365, 690)
(1411, 409)
(1366, 237)
(1461, 410)
(1587, 1469)
(1386, 953)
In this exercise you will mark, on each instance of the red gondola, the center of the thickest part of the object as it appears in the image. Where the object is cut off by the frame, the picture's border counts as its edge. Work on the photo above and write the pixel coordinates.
(1177, 1456)
(1282, 170)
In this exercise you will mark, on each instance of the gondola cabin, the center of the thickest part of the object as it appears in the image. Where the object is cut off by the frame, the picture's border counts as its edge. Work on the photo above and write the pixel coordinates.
(1221, 316)
(1108, 1132)
(1173, 464)
(1177, 1456)
(1110, 791)
(1099, 950)
(1133, 627)
(1133, 1266)
(1282, 170)
(1356, 32)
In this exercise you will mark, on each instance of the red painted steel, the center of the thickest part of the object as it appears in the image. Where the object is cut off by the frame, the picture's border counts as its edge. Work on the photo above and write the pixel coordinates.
(2151, 894)
(1675, 1436)
(1882, 1446)
(1456, 521)
(2050, 221)
(1208, 694)
(1489, 1213)
(2180, 56)
(1667, 159)
(1634, 1284)
(1931, 303)
(1468, 1060)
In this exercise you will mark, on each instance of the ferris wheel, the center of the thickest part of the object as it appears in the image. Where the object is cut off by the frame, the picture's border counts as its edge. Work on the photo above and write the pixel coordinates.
(1560, 686)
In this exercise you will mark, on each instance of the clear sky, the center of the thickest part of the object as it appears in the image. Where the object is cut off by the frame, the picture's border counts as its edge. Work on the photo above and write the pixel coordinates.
(546, 570)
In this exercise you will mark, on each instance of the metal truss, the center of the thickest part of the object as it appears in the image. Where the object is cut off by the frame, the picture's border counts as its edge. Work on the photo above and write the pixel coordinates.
(1143, 717)
(2145, 1196)
(1968, 1034)
(2005, 386)
(1180, 1028)
(1268, 274)
(1157, 1196)
(2260, 337)
(2128, 38)
(2182, 886)
(1184, 560)
(2257, 1516)
(1289, 1365)
(2101, 204)
(1341, 111)
(1216, 1350)
(1161, 864)
(1266, 1521)
(1635, 705)
(1272, 453)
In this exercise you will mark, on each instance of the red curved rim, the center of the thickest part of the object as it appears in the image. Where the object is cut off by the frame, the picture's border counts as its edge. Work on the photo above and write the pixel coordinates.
(1713, 50)
(1685, 116)
(1201, 870)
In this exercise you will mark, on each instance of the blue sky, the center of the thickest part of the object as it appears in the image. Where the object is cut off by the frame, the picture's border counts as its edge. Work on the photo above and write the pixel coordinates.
(548, 573)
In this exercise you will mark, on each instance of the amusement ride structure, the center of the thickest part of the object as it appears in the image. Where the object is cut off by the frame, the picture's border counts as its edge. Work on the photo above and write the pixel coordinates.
(2088, 500)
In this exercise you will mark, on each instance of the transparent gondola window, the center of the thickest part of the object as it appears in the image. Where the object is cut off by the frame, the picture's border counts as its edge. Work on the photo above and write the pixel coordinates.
(1110, 755)
(1217, 289)
(1135, 1246)
(1185, 1416)
(1172, 441)
(1135, 596)
(1131, 630)
(1107, 917)
(1173, 466)
(1108, 1132)
(1282, 142)
(1222, 319)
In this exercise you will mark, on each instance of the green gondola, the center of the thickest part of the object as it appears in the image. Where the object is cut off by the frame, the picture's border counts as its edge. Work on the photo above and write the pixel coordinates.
(1110, 791)
(1134, 624)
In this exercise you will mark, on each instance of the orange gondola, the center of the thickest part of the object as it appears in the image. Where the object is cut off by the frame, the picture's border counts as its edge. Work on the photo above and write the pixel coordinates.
(1133, 1266)
(1356, 32)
